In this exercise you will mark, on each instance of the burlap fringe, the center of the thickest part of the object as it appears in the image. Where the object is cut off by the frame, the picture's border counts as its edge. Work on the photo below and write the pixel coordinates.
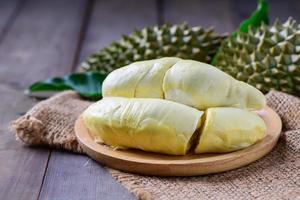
(50, 123)
(29, 130)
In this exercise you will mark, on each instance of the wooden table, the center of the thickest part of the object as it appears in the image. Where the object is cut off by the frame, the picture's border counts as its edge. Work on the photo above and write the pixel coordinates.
(41, 39)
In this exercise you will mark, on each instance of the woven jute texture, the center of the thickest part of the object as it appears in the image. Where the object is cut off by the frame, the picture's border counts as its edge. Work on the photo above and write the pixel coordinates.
(276, 176)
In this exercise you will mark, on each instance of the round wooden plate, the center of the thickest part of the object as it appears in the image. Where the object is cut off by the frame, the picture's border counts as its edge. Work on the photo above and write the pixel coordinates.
(146, 163)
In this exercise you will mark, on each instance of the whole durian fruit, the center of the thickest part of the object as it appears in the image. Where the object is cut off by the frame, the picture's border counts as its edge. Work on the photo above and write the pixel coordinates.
(180, 41)
(266, 57)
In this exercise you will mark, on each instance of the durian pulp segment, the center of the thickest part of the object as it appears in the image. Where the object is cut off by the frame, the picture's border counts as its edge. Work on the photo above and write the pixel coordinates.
(124, 80)
(202, 86)
(229, 129)
(185, 81)
(150, 86)
(154, 125)
(140, 79)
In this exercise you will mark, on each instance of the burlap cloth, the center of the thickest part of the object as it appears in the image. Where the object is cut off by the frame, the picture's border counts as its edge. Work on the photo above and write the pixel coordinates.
(276, 176)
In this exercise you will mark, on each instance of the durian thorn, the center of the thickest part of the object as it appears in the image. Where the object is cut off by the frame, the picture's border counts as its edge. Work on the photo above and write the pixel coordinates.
(289, 20)
(276, 22)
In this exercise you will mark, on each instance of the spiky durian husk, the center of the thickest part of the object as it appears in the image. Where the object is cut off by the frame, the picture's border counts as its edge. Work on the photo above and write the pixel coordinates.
(266, 57)
(181, 41)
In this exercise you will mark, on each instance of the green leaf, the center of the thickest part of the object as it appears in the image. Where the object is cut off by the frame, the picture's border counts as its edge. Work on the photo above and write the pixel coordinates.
(88, 85)
(259, 16)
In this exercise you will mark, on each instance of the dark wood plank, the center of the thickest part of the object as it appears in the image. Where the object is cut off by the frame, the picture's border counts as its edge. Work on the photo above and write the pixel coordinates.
(71, 176)
(41, 42)
(21, 168)
(204, 13)
(111, 19)
(78, 176)
(7, 8)
(8, 11)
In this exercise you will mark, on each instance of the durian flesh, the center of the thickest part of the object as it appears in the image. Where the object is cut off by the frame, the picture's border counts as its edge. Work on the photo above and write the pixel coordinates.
(142, 79)
(188, 82)
(168, 127)
(154, 125)
(229, 129)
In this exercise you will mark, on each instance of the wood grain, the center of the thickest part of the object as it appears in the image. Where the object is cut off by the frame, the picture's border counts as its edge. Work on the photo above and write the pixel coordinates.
(141, 162)
(41, 42)
(111, 19)
(8, 12)
(71, 176)
(21, 168)
(200, 13)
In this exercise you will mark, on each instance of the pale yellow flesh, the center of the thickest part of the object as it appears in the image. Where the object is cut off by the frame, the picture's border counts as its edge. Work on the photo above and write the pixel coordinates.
(167, 127)
(188, 82)
(203, 86)
(229, 129)
(154, 125)
(145, 121)
(142, 79)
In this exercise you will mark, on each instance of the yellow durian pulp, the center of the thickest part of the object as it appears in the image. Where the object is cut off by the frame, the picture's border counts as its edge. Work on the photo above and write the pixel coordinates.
(156, 105)
(203, 86)
(167, 127)
(142, 79)
(188, 82)
(229, 129)
(154, 125)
